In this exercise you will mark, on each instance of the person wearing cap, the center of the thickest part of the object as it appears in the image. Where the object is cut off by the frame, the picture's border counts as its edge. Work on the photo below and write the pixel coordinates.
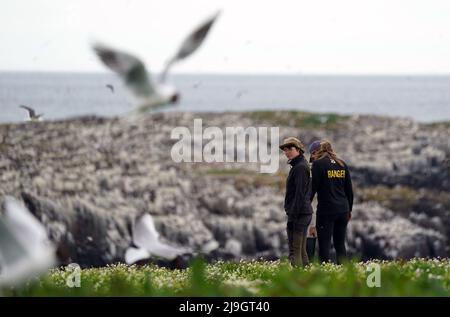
(313, 148)
(297, 204)
(332, 182)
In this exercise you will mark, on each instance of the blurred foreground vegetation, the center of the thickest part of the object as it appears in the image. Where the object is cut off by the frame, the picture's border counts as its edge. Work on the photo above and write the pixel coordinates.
(417, 277)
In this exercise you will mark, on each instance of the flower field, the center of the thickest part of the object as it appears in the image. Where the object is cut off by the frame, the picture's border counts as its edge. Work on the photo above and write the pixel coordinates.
(417, 277)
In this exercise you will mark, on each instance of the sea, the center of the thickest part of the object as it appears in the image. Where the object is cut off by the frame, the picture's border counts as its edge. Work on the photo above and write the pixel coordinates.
(66, 95)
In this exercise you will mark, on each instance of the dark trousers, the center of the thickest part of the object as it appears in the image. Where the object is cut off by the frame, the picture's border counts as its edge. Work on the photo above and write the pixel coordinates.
(329, 226)
(296, 233)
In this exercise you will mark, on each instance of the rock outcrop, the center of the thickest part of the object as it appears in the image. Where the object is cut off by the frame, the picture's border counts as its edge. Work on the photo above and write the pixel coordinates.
(88, 179)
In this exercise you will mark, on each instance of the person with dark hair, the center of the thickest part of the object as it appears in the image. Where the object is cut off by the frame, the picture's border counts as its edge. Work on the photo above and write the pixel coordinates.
(332, 182)
(297, 204)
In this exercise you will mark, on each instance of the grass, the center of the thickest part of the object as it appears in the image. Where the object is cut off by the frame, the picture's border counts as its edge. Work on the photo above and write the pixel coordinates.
(437, 124)
(399, 197)
(244, 178)
(299, 119)
(403, 199)
(417, 277)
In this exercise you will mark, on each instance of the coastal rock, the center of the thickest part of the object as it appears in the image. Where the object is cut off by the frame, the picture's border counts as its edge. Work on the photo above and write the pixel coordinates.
(379, 234)
(88, 179)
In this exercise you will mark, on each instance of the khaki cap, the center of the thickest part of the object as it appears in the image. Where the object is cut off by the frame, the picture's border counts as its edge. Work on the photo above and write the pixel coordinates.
(291, 141)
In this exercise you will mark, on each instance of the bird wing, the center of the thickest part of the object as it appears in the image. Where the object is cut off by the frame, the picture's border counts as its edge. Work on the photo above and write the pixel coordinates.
(111, 87)
(24, 248)
(31, 111)
(209, 246)
(133, 255)
(131, 69)
(145, 230)
(191, 43)
(146, 237)
(11, 250)
(32, 232)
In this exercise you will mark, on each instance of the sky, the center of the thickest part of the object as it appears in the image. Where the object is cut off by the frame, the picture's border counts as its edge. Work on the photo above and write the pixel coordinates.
(250, 36)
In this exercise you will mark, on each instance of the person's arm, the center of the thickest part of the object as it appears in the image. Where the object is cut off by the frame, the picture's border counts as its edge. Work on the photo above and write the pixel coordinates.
(312, 232)
(315, 170)
(314, 186)
(348, 189)
(300, 181)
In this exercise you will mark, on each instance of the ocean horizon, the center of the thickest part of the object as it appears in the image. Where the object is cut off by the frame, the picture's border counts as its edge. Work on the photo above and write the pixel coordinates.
(61, 95)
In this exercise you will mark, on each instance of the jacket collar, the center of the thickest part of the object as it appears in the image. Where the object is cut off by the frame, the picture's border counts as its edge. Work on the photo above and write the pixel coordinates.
(296, 160)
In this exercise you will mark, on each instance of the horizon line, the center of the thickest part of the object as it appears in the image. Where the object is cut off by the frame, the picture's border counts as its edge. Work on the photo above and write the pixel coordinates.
(412, 74)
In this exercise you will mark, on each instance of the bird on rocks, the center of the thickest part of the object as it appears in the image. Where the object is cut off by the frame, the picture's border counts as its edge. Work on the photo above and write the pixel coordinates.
(151, 94)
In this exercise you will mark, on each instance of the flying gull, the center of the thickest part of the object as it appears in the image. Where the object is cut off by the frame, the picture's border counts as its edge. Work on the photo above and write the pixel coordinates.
(110, 87)
(240, 93)
(32, 116)
(196, 85)
(25, 250)
(151, 95)
(146, 239)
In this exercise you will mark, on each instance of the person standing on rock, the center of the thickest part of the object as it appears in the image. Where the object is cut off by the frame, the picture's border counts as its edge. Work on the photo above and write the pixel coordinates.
(332, 182)
(297, 204)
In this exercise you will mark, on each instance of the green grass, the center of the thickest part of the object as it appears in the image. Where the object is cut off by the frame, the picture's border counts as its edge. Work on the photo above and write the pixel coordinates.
(437, 124)
(417, 277)
(404, 199)
(246, 178)
(299, 119)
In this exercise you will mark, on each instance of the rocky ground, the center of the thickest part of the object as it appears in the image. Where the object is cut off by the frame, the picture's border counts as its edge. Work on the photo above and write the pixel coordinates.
(88, 178)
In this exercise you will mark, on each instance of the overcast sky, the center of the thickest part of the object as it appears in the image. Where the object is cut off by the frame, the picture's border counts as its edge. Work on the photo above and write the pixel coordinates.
(251, 36)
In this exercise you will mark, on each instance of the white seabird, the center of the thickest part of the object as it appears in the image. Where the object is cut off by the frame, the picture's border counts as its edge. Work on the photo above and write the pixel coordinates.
(32, 116)
(25, 250)
(132, 70)
(146, 239)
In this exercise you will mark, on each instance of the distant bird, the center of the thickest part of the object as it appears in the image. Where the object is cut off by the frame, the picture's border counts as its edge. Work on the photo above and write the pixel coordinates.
(111, 87)
(151, 95)
(25, 250)
(240, 93)
(146, 238)
(32, 116)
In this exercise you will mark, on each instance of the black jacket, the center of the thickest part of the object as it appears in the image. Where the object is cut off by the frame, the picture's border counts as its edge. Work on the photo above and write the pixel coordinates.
(298, 189)
(333, 186)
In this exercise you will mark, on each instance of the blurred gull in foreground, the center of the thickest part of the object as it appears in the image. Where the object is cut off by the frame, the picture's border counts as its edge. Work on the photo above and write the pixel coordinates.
(25, 250)
(151, 95)
(146, 238)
